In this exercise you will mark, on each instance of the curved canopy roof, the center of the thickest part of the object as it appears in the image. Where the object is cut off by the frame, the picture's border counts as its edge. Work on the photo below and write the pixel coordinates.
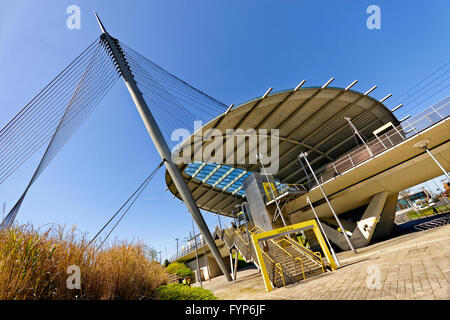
(308, 119)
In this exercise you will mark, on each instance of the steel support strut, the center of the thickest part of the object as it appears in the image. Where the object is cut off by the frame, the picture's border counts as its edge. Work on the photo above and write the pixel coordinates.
(304, 155)
(160, 144)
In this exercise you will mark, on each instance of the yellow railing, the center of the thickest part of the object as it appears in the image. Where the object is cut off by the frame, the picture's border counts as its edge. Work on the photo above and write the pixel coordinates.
(235, 237)
(316, 256)
(244, 246)
(280, 247)
(303, 269)
(294, 258)
(278, 268)
(237, 232)
(255, 229)
(227, 231)
(260, 239)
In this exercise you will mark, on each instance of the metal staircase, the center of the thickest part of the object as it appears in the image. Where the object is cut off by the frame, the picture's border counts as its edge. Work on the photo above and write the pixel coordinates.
(287, 261)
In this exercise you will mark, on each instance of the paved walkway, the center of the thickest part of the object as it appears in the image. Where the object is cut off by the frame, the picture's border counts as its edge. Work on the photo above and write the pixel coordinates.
(412, 266)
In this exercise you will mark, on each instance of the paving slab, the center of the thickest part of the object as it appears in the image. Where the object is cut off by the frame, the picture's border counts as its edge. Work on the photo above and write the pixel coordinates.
(412, 266)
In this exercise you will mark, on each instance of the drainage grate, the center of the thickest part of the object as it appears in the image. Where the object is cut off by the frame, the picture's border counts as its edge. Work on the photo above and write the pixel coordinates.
(433, 223)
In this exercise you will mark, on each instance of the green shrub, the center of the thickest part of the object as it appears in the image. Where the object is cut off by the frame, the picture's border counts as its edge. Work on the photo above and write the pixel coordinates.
(174, 267)
(185, 273)
(179, 269)
(176, 291)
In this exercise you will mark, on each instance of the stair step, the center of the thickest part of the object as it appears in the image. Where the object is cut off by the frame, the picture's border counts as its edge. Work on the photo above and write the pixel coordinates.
(292, 269)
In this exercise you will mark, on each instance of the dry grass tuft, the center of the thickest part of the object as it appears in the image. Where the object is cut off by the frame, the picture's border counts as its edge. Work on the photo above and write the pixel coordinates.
(33, 265)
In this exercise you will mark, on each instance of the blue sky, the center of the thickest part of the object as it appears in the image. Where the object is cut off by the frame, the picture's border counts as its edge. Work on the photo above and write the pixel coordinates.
(232, 50)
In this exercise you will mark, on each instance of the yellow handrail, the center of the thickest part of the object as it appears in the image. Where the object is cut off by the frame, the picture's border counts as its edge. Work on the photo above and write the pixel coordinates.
(307, 251)
(301, 247)
(276, 243)
(276, 264)
(303, 269)
(239, 235)
(257, 228)
(281, 273)
(321, 261)
(293, 257)
(227, 232)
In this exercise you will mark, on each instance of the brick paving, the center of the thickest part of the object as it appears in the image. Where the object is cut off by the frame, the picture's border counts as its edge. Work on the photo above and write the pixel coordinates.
(412, 266)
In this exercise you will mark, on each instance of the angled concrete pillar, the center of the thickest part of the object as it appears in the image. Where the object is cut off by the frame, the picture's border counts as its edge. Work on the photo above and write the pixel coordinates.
(336, 237)
(366, 226)
(348, 225)
(362, 234)
(385, 224)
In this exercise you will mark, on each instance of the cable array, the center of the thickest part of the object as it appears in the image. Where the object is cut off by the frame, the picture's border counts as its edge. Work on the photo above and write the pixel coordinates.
(55, 114)
(418, 97)
(64, 104)
(130, 201)
(35, 124)
(173, 102)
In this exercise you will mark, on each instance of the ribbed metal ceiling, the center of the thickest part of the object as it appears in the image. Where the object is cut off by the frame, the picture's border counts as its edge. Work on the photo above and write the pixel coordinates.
(309, 119)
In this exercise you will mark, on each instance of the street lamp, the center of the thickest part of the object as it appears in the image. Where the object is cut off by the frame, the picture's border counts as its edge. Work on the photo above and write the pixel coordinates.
(278, 211)
(245, 215)
(424, 146)
(194, 237)
(323, 231)
(304, 156)
(359, 135)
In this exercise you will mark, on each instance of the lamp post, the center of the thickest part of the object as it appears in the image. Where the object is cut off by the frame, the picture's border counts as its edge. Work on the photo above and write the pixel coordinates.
(304, 155)
(177, 246)
(194, 237)
(244, 214)
(323, 232)
(278, 212)
(352, 126)
(424, 146)
(220, 223)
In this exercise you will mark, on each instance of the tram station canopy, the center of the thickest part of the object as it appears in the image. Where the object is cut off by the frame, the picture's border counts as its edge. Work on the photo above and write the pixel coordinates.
(308, 119)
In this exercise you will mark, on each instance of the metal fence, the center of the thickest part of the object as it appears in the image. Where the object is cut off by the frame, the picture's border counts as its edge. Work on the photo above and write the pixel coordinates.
(279, 189)
(190, 247)
(381, 143)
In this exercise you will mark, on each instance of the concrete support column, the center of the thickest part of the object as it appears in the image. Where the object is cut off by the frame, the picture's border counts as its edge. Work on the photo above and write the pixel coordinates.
(385, 224)
(381, 203)
(366, 226)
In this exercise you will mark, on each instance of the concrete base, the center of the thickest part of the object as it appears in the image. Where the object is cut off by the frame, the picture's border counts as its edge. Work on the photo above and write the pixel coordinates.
(208, 268)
